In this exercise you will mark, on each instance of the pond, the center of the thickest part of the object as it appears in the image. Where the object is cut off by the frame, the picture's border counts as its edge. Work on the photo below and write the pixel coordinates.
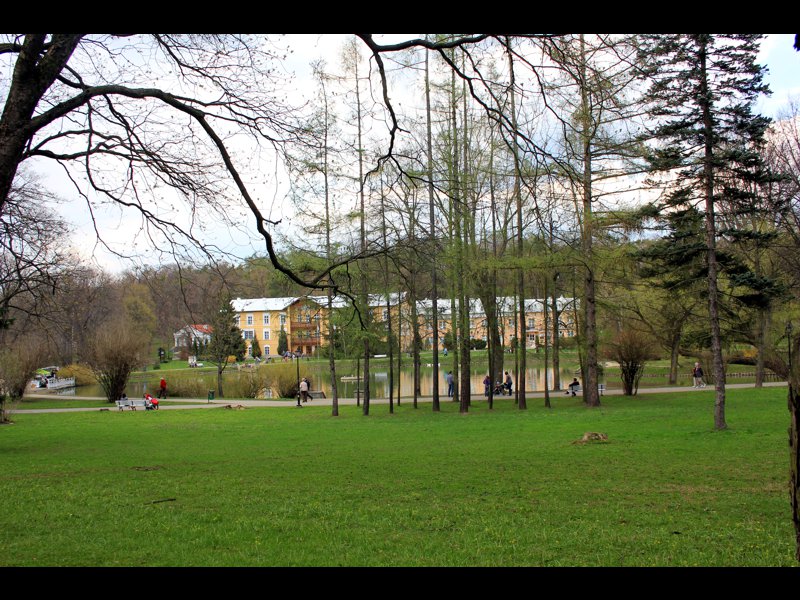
(320, 378)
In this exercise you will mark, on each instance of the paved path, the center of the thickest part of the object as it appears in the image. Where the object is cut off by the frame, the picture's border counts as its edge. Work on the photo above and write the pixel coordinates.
(186, 403)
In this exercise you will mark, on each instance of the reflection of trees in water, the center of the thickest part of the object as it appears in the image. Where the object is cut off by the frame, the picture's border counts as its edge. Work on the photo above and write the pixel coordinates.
(379, 382)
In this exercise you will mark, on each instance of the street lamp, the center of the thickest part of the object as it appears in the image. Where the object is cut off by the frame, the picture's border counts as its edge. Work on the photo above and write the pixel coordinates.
(297, 365)
(789, 343)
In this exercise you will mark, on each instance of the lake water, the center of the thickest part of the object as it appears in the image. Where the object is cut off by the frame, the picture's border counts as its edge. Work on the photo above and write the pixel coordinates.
(379, 381)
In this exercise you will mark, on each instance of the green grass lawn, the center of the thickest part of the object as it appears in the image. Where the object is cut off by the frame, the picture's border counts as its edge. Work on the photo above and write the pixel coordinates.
(281, 486)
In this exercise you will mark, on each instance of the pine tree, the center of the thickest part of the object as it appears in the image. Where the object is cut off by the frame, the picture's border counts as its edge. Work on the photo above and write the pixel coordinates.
(255, 348)
(283, 343)
(226, 339)
(701, 97)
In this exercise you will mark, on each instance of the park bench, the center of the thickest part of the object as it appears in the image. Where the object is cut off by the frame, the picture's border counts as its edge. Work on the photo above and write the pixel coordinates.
(601, 387)
(130, 403)
(317, 394)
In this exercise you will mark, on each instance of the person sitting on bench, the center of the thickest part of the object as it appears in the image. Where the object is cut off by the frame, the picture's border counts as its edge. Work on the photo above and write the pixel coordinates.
(573, 387)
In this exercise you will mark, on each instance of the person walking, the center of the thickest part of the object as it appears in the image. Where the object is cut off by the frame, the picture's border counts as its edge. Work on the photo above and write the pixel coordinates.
(697, 376)
(304, 389)
(162, 389)
(487, 383)
(449, 379)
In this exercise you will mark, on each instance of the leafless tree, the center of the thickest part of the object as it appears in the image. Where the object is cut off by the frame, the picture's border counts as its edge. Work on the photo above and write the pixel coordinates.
(151, 122)
(17, 368)
(32, 255)
(117, 349)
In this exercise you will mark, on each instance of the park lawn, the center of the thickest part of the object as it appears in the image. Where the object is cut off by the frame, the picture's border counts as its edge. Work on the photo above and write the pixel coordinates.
(272, 486)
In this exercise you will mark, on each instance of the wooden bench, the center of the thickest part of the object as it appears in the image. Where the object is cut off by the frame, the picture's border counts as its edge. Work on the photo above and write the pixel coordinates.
(316, 394)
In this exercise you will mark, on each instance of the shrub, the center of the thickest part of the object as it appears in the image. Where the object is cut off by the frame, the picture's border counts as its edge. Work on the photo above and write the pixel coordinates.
(631, 349)
(283, 379)
(189, 387)
(249, 384)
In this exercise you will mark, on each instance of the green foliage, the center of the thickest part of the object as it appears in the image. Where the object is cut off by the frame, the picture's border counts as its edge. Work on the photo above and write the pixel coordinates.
(449, 341)
(226, 338)
(255, 348)
(477, 344)
(283, 343)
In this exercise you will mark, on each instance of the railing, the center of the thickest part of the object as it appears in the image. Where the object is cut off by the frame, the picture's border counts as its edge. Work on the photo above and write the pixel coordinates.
(59, 383)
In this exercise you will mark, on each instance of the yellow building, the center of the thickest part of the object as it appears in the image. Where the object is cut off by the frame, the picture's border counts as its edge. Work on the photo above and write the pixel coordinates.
(301, 317)
(305, 320)
(508, 320)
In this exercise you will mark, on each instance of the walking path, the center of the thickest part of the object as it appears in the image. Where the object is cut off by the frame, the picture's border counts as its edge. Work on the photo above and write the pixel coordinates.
(186, 403)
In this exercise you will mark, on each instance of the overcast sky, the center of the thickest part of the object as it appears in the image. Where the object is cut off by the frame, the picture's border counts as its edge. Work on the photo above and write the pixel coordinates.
(777, 54)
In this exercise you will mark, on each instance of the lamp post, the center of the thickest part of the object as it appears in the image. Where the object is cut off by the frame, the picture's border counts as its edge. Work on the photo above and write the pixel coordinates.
(297, 365)
(789, 344)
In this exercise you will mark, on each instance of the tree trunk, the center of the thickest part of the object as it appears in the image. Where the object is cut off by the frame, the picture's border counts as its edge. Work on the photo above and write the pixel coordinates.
(433, 238)
(794, 441)
(522, 341)
(794, 454)
(673, 360)
(546, 344)
(556, 338)
(763, 317)
(35, 70)
(711, 252)
(591, 396)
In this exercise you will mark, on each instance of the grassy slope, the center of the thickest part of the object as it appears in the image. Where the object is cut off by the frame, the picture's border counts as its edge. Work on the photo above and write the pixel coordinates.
(288, 487)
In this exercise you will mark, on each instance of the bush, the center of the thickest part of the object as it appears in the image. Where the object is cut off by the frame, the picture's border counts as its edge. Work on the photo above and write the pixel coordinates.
(249, 384)
(742, 357)
(189, 387)
(477, 344)
(631, 349)
(283, 379)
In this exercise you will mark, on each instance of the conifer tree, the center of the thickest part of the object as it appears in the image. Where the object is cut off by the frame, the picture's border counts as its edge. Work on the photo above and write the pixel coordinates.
(226, 339)
(701, 97)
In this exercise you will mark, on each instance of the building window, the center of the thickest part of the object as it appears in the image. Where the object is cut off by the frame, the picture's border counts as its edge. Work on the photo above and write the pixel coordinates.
(249, 319)
(266, 320)
(266, 334)
(283, 320)
(248, 334)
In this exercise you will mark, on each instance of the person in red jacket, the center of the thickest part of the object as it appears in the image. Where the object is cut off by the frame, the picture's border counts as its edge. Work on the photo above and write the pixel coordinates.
(162, 389)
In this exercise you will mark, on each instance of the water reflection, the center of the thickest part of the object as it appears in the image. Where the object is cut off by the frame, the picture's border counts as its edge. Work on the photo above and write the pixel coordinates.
(379, 382)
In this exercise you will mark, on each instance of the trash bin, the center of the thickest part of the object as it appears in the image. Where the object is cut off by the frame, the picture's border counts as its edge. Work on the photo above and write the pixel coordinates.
(210, 395)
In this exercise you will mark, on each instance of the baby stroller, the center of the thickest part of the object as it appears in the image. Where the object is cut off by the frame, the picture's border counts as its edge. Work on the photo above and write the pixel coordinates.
(499, 389)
